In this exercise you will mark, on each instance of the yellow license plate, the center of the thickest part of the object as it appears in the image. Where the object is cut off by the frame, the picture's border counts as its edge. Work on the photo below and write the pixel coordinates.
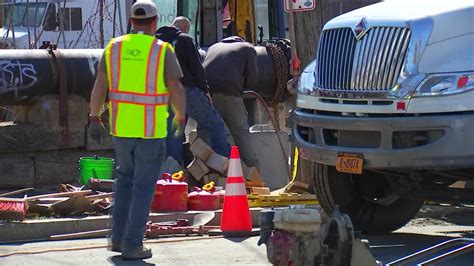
(349, 163)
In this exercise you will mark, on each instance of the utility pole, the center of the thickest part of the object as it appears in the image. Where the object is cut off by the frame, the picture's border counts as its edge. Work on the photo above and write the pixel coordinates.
(101, 23)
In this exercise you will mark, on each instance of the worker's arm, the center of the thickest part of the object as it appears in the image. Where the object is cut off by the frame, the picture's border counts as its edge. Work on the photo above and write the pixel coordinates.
(251, 69)
(173, 75)
(99, 92)
(96, 129)
(177, 99)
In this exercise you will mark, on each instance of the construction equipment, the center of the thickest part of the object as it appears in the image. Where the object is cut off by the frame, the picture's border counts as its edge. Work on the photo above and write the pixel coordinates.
(12, 209)
(182, 226)
(304, 236)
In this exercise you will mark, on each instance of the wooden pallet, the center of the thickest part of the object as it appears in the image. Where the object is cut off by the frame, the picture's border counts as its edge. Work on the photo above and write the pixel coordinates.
(284, 199)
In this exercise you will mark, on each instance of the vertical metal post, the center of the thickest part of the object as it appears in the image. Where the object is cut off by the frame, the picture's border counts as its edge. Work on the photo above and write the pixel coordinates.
(11, 26)
(211, 21)
(114, 19)
(280, 18)
(1, 12)
(61, 22)
(36, 28)
(219, 21)
(28, 23)
(295, 72)
(101, 23)
(295, 61)
(120, 15)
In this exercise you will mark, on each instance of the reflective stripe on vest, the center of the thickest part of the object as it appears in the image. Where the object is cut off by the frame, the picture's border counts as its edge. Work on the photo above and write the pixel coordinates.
(153, 61)
(115, 65)
(114, 78)
(142, 99)
(149, 97)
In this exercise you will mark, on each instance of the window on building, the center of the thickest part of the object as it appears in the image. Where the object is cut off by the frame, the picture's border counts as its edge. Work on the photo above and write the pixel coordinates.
(22, 14)
(71, 18)
(76, 19)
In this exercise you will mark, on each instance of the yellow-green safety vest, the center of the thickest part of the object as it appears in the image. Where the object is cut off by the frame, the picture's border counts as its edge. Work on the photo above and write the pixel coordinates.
(138, 96)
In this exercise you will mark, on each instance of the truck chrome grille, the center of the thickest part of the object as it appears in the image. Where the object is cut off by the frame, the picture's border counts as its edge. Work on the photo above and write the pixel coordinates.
(370, 64)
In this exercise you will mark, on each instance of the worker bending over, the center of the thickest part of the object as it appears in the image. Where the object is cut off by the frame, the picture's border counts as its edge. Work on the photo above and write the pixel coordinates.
(142, 74)
(231, 66)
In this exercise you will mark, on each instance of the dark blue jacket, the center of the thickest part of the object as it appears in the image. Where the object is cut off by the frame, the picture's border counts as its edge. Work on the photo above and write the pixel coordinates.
(188, 56)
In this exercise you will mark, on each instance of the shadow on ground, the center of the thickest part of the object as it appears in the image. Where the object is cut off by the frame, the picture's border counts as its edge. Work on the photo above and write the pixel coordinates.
(117, 260)
(458, 215)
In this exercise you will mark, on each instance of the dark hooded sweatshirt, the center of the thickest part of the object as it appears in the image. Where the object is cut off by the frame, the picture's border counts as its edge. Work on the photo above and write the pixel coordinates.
(231, 66)
(188, 56)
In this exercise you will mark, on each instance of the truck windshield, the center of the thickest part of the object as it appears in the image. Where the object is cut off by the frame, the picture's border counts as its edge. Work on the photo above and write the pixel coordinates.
(27, 15)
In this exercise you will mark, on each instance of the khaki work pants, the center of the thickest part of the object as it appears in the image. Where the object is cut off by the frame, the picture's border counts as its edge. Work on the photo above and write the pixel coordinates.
(232, 110)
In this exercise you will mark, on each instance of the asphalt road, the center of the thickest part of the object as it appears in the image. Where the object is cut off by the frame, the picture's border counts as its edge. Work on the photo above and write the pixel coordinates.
(433, 225)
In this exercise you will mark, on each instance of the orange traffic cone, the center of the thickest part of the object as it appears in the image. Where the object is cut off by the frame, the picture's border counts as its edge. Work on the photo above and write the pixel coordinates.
(236, 217)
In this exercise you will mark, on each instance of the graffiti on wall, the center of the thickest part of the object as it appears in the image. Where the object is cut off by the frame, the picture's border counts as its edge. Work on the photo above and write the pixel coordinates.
(15, 75)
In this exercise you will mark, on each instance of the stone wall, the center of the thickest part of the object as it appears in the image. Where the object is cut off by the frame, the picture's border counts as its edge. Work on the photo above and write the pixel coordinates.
(35, 150)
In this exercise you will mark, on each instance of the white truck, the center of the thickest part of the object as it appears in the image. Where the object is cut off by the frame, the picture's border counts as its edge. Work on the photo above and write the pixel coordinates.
(386, 110)
(26, 24)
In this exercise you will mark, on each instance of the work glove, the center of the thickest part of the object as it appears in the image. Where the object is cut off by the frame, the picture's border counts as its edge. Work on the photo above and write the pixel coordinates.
(96, 129)
(177, 126)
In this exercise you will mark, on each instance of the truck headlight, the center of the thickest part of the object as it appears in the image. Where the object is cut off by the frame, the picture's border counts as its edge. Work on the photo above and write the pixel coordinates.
(306, 83)
(445, 84)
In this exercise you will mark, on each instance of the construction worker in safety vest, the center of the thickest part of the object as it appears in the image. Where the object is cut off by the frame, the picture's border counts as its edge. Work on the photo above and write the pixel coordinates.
(141, 75)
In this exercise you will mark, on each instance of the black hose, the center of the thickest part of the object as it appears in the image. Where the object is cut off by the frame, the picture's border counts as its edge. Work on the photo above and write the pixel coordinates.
(272, 119)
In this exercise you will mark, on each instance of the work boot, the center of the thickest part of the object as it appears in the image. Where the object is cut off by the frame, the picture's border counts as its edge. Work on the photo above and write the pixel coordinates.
(116, 247)
(139, 253)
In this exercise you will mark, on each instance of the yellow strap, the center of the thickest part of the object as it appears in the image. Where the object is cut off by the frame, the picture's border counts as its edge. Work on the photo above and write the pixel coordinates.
(295, 165)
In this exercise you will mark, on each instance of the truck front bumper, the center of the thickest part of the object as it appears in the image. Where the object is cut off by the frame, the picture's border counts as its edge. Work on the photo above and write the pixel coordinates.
(395, 142)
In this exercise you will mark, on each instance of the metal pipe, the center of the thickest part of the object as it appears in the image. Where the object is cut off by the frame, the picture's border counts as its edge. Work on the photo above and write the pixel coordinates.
(25, 74)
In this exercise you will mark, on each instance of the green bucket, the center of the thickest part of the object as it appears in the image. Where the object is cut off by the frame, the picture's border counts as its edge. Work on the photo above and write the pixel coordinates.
(95, 167)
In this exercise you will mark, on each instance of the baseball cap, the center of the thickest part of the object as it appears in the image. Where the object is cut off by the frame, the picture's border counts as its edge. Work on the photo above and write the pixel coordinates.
(143, 9)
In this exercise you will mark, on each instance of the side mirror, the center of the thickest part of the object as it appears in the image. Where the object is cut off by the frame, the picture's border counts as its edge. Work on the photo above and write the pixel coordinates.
(50, 21)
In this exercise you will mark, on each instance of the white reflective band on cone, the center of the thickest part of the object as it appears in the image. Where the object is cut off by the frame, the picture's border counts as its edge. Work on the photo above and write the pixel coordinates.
(235, 189)
(235, 168)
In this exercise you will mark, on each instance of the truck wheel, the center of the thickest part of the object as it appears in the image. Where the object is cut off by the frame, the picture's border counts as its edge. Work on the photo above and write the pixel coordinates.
(356, 196)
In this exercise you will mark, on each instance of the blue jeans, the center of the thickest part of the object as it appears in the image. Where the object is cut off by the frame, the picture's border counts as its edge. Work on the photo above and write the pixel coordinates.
(138, 169)
(208, 119)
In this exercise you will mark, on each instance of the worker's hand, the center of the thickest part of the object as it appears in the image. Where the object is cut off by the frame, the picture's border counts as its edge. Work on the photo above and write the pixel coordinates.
(96, 129)
(177, 126)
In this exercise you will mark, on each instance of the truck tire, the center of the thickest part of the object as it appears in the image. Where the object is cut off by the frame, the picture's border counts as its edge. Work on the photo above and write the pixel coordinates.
(339, 189)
